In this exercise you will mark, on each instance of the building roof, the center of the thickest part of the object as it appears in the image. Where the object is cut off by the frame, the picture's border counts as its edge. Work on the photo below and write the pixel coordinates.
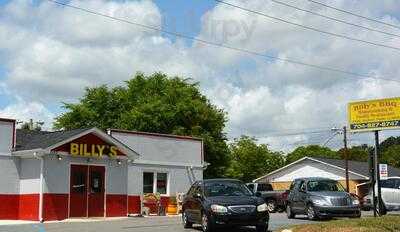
(46, 140)
(29, 140)
(357, 166)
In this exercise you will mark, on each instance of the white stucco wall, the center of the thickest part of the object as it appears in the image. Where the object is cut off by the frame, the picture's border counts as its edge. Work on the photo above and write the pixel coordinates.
(57, 174)
(163, 149)
(179, 178)
(9, 171)
(29, 176)
(6, 137)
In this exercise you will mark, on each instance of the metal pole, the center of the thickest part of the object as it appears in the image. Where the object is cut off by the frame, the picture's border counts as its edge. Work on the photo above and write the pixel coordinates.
(378, 178)
(346, 158)
(372, 180)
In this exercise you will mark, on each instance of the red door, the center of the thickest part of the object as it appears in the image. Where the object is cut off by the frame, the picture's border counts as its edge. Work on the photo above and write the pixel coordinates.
(96, 191)
(78, 191)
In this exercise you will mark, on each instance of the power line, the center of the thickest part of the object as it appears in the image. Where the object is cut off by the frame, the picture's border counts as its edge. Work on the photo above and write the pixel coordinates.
(308, 27)
(242, 50)
(287, 133)
(293, 134)
(334, 19)
(354, 14)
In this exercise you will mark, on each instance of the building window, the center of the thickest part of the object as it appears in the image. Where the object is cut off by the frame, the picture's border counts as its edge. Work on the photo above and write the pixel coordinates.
(154, 182)
(148, 180)
(162, 183)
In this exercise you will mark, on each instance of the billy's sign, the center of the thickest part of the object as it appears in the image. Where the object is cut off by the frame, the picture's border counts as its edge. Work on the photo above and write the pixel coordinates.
(93, 150)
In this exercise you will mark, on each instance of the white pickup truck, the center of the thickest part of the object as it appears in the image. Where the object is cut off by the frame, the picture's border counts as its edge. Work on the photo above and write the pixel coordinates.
(390, 190)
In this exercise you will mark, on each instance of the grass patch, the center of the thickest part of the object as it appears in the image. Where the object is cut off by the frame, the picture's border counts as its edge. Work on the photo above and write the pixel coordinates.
(369, 224)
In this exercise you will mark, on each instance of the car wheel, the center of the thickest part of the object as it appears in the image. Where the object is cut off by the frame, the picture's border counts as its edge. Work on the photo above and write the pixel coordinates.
(311, 213)
(289, 212)
(271, 206)
(206, 224)
(263, 228)
(186, 223)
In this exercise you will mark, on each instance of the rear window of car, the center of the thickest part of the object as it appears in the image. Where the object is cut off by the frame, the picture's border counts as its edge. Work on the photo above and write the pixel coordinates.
(390, 183)
(264, 187)
(218, 189)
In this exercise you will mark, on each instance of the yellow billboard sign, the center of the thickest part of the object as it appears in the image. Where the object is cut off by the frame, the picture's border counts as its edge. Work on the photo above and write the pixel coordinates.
(374, 115)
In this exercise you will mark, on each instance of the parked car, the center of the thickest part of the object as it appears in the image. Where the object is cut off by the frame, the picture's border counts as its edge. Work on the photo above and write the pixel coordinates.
(223, 202)
(390, 192)
(321, 198)
(276, 200)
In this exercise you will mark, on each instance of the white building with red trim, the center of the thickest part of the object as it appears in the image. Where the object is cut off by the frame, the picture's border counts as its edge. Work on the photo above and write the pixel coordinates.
(91, 173)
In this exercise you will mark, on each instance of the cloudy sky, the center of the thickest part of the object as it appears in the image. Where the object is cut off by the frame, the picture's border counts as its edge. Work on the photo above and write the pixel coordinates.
(49, 53)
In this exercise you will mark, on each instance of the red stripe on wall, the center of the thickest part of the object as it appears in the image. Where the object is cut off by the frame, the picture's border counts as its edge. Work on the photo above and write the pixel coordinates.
(134, 204)
(153, 205)
(55, 206)
(116, 205)
(28, 207)
(9, 206)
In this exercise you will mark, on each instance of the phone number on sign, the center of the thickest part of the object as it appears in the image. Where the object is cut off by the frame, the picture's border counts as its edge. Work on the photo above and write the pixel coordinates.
(362, 126)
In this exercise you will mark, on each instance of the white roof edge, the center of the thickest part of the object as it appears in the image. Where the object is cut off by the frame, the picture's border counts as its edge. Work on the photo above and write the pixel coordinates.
(310, 158)
(279, 169)
(159, 163)
(24, 152)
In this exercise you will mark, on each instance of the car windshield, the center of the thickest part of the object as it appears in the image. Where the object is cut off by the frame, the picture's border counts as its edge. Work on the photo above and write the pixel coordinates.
(324, 185)
(217, 189)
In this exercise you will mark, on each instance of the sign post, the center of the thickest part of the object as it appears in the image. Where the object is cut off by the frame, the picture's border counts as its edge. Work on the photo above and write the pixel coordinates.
(378, 176)
(373, 116)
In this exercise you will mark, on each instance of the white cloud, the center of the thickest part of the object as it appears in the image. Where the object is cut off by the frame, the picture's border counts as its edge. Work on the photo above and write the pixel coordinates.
(52, 53)
(24, 111)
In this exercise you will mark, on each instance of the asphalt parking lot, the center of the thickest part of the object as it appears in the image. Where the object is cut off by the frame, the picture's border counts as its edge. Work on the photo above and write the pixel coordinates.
(148, 224)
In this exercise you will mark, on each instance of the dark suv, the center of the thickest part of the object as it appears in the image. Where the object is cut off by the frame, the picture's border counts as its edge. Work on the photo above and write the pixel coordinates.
(321, 197)
(223, 202)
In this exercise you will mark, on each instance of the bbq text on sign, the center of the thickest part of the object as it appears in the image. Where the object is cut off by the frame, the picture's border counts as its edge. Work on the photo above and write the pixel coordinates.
(93, 150)
(374, 115)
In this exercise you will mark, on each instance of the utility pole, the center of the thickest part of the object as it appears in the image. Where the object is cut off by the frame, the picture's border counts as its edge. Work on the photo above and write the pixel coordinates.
(346, 158)
(377, 173)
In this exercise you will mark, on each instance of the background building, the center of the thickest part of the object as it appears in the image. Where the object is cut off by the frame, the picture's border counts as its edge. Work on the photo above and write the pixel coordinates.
(323, 167)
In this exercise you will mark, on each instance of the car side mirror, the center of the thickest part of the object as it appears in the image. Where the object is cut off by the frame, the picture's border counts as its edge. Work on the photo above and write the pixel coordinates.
(257, 194)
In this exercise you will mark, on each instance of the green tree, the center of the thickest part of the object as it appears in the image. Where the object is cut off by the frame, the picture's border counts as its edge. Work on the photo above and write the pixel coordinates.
(357, 153)
(391, 156)
(155, 103)
(387, 143)
(250, 160)
(311, 151)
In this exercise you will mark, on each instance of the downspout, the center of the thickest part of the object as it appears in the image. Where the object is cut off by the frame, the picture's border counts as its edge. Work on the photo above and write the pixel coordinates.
(41, 190)
(40, 186)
